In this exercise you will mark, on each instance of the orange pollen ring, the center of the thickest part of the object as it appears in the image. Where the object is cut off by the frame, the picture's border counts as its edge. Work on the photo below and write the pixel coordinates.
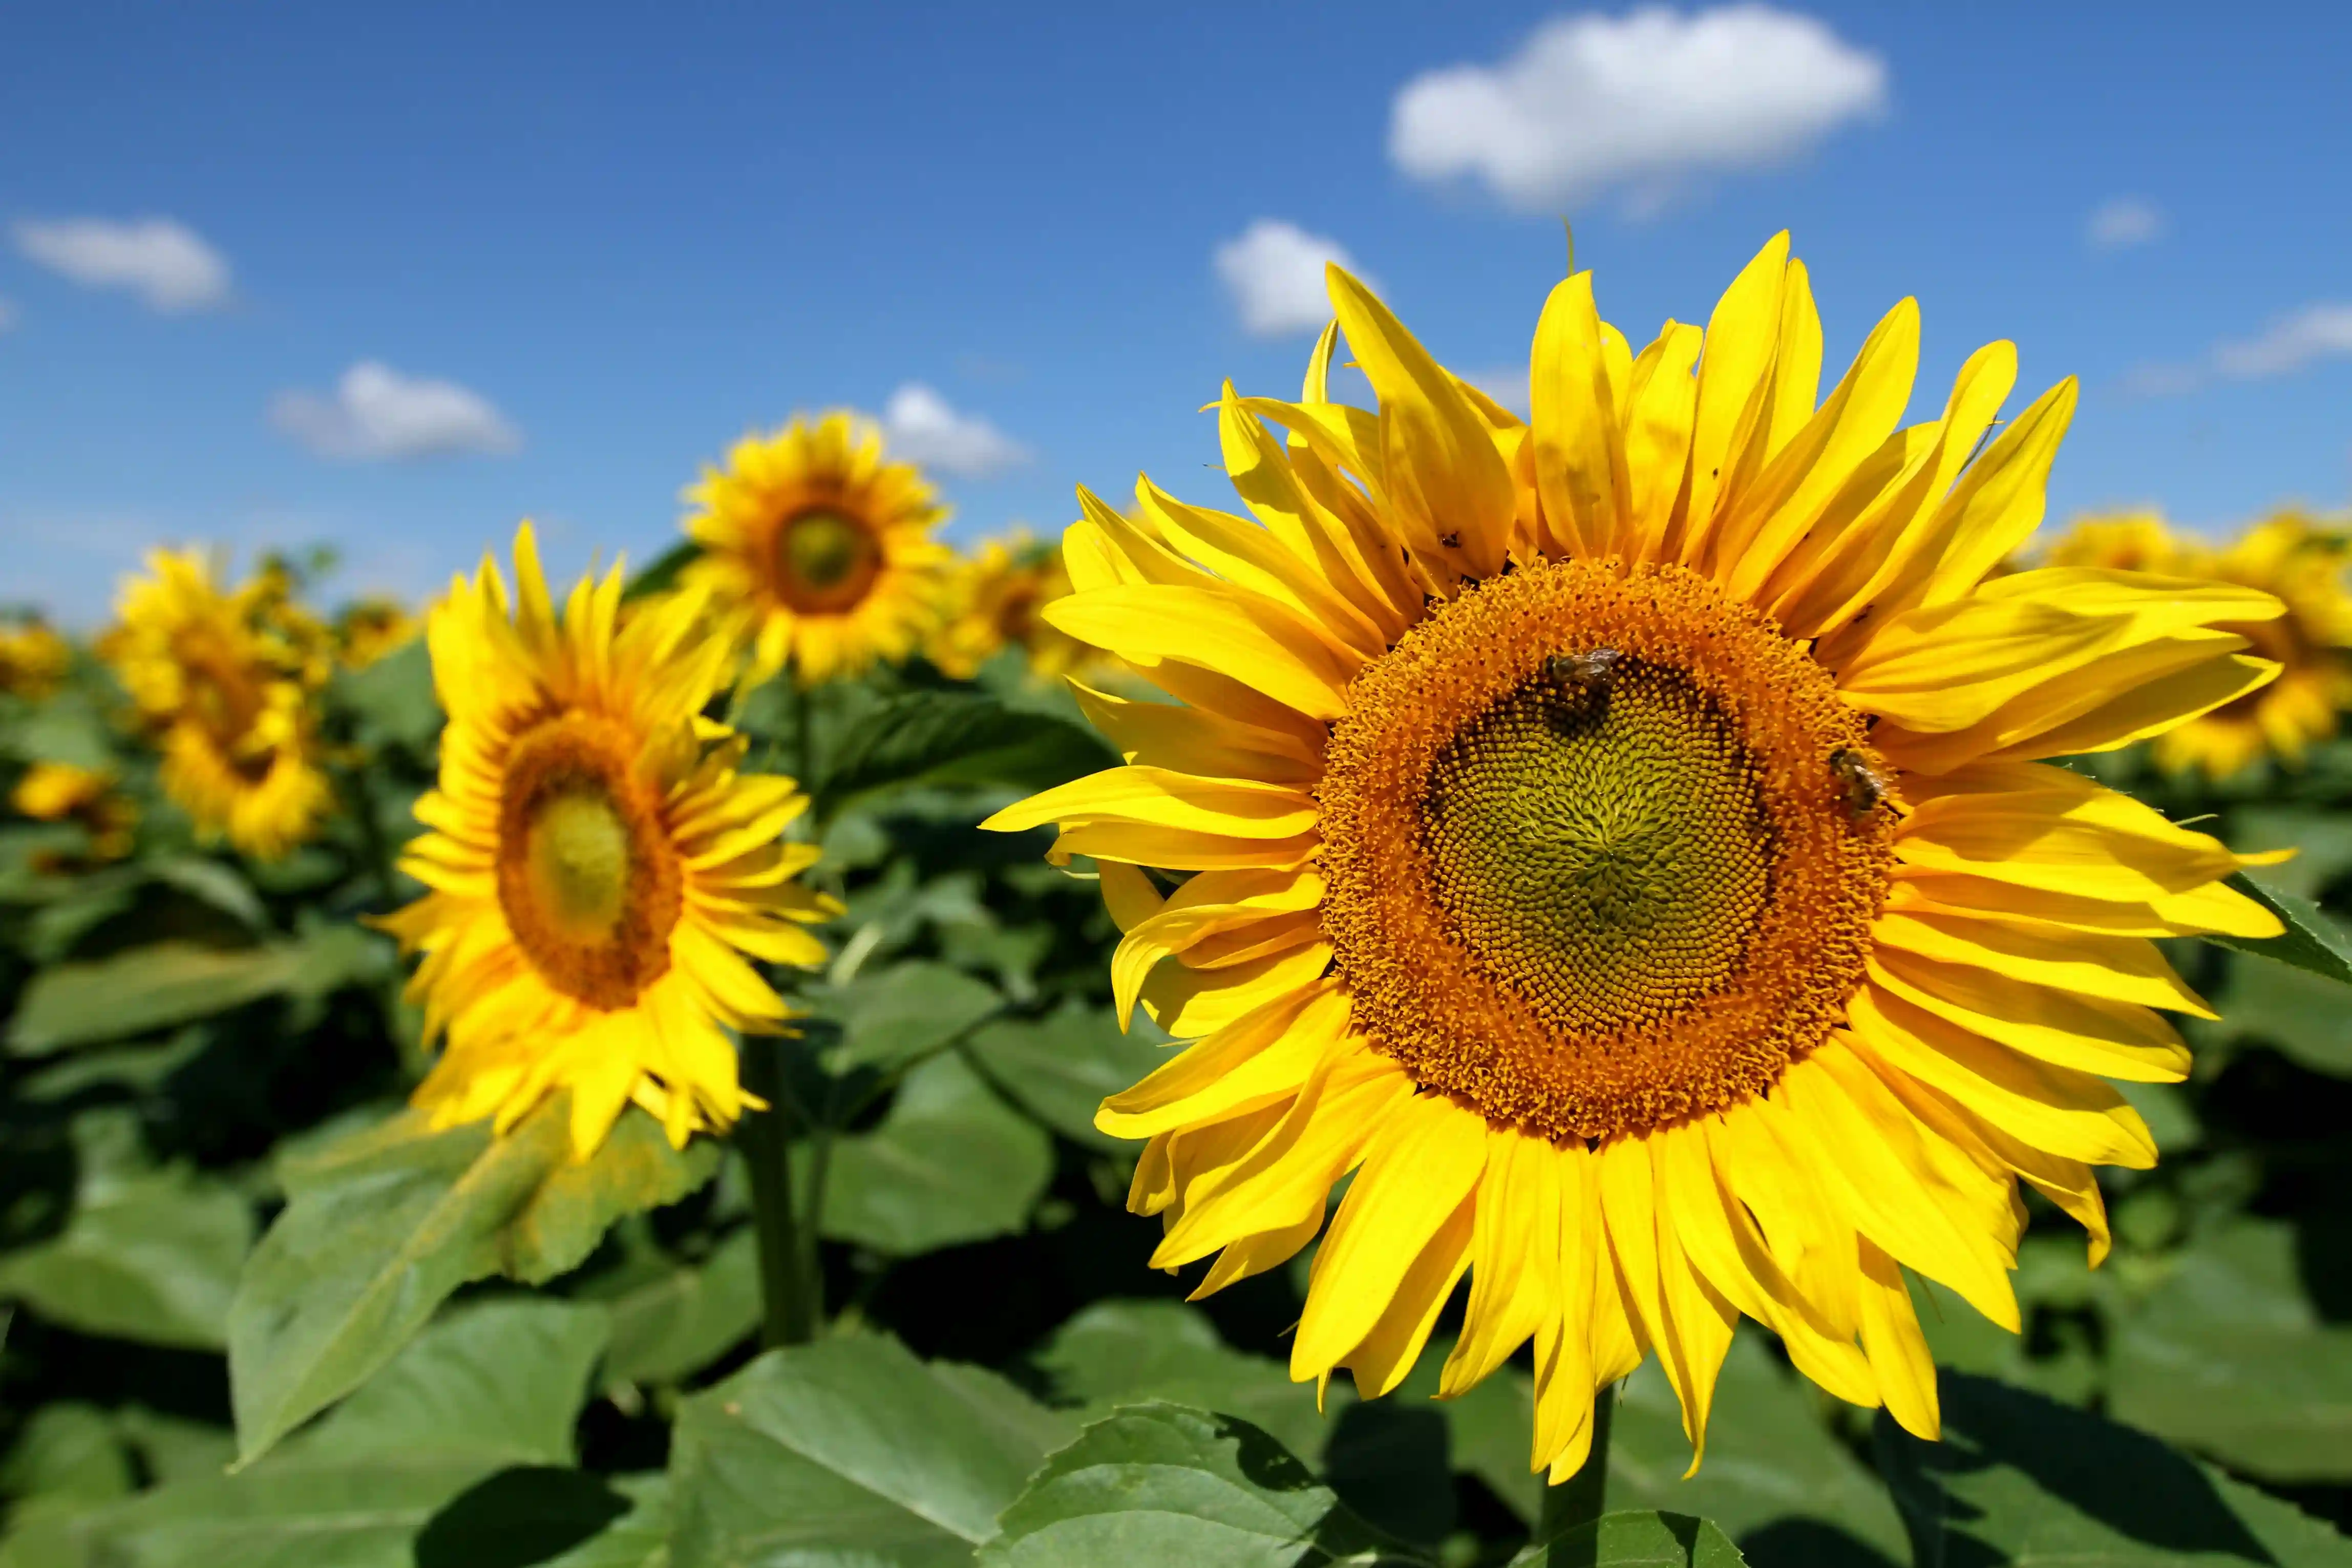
(587, 877)
(1597, 853)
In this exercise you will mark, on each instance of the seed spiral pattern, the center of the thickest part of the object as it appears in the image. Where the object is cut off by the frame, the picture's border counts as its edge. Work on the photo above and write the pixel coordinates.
(1595, 895)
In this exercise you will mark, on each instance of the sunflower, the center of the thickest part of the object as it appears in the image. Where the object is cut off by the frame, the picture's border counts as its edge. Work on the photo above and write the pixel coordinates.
(600, 867)
(34, 660)
(61, 792)
(367, 629)
(818, 551)
(226, 682)
(1621, 841)
(2289, 555)
(994, 599)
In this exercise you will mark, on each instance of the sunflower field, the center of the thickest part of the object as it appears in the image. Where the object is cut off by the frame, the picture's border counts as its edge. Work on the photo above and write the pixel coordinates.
(1761, 1000)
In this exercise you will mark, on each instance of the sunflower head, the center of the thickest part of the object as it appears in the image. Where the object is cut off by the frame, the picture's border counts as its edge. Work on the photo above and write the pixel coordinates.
(602, 872)
(818, 550)
(1621, 839)
(367, 629)
(2291, 555)
(34, 660)
(226, 682)
(996, 600)
(61, 792)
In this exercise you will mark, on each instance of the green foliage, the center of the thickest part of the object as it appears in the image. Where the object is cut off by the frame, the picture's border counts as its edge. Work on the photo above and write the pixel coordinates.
(146, 989)
(933, 739)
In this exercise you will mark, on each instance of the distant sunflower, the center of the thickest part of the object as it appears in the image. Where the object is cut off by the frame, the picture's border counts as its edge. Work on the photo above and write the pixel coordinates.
(996, 599)
(34, 660)
(1619, 841)
(61, 792)
(819, 550)
(601, 867)
(225, 680)
(2289, 555)
(367, 629)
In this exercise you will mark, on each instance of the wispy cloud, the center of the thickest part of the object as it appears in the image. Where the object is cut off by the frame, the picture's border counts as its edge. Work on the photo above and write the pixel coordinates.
(2122, 222)
(2290, 343)
(1640, 103)
(377, 413)
(1273, 270)
(7, 315)
(163, 262)
(923, 426)
(1507, 384)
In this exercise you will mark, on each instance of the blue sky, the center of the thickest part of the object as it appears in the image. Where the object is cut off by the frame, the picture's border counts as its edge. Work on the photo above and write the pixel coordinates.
(620, 238)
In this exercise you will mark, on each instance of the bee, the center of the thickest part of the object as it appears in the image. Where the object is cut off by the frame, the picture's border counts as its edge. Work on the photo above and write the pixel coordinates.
(1863, 784)
(1582, 671)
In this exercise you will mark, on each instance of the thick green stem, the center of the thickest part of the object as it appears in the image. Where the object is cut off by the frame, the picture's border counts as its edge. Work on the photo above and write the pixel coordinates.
(1580, 1499)
(790, 1286)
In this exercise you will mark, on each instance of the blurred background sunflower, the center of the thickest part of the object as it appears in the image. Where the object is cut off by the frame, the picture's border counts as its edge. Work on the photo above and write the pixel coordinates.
(995, 600)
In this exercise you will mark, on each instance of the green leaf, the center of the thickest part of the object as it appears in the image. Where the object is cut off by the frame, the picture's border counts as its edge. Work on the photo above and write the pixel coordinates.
(674, 1326)
(2022, 1479)
(151, 1256)
(891, 1017)
(950, 1163)
(69, 1458)
(1769, 1457)
(850, 1453)
(1061, 1067)
(497, 1384)
(538, 1517)
(1132, 1352)
(150, 988)
(68, 728)
(392, 701)
(2226, 1357)
(939, 738)
(1165, 1483)
(2299, 1013)
(1638, 1540)
(382, 1226)
(2312, 941)
(659, 575)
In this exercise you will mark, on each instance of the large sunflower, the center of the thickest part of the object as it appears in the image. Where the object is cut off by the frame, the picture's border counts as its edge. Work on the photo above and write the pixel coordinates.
(2289, 555)
(1622, 840)
(818, 550)
(226, 682)
(600, 865)
(996, 600)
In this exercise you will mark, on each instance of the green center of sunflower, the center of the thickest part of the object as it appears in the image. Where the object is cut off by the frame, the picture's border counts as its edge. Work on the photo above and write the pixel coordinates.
(587, 877)
(825, 560)
(1602, 845)
(1591, 865)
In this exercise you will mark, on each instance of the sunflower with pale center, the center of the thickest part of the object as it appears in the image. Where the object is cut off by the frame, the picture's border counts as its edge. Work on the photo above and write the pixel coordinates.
(996, 600)
(228, 681)
(601, 869)
(2289, 555)
(1623, 841)
(818, 551)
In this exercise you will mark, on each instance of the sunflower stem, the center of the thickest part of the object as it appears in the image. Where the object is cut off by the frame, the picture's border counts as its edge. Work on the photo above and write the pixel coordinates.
(1579, 1499)
(789, 1287)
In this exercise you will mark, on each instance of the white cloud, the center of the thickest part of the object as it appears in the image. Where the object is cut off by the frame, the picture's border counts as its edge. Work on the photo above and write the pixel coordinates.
(2314, 333)
(1507, 384)
(2123, 221)
(1637, 103)
(376, 413)
(163, 261)
(923, 428)
(1274, 271)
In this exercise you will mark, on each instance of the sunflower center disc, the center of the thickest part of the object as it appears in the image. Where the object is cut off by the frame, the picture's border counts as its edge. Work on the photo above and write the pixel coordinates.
(587, 878)
(825, 561)
(1589, 867)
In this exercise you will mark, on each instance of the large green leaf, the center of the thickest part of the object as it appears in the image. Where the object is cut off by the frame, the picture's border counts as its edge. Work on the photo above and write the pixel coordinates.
(1636, 1539)
(2312, 941)
(149, 1256)
(1062, 1067)
(534, 1516)
(2299, 1012)
(1166, 1483)
(382, 1226)
(2227, 1356)
(850, 1453)
(950, 1163)
(672, 1327)
(889, 1018)
(659, 575)
(152, 988)
(392, 701)
(500, 1383)
(1133, 1352)
(68, 1458)
(935, 738)
(1770, 1459)
(2022, 1480)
